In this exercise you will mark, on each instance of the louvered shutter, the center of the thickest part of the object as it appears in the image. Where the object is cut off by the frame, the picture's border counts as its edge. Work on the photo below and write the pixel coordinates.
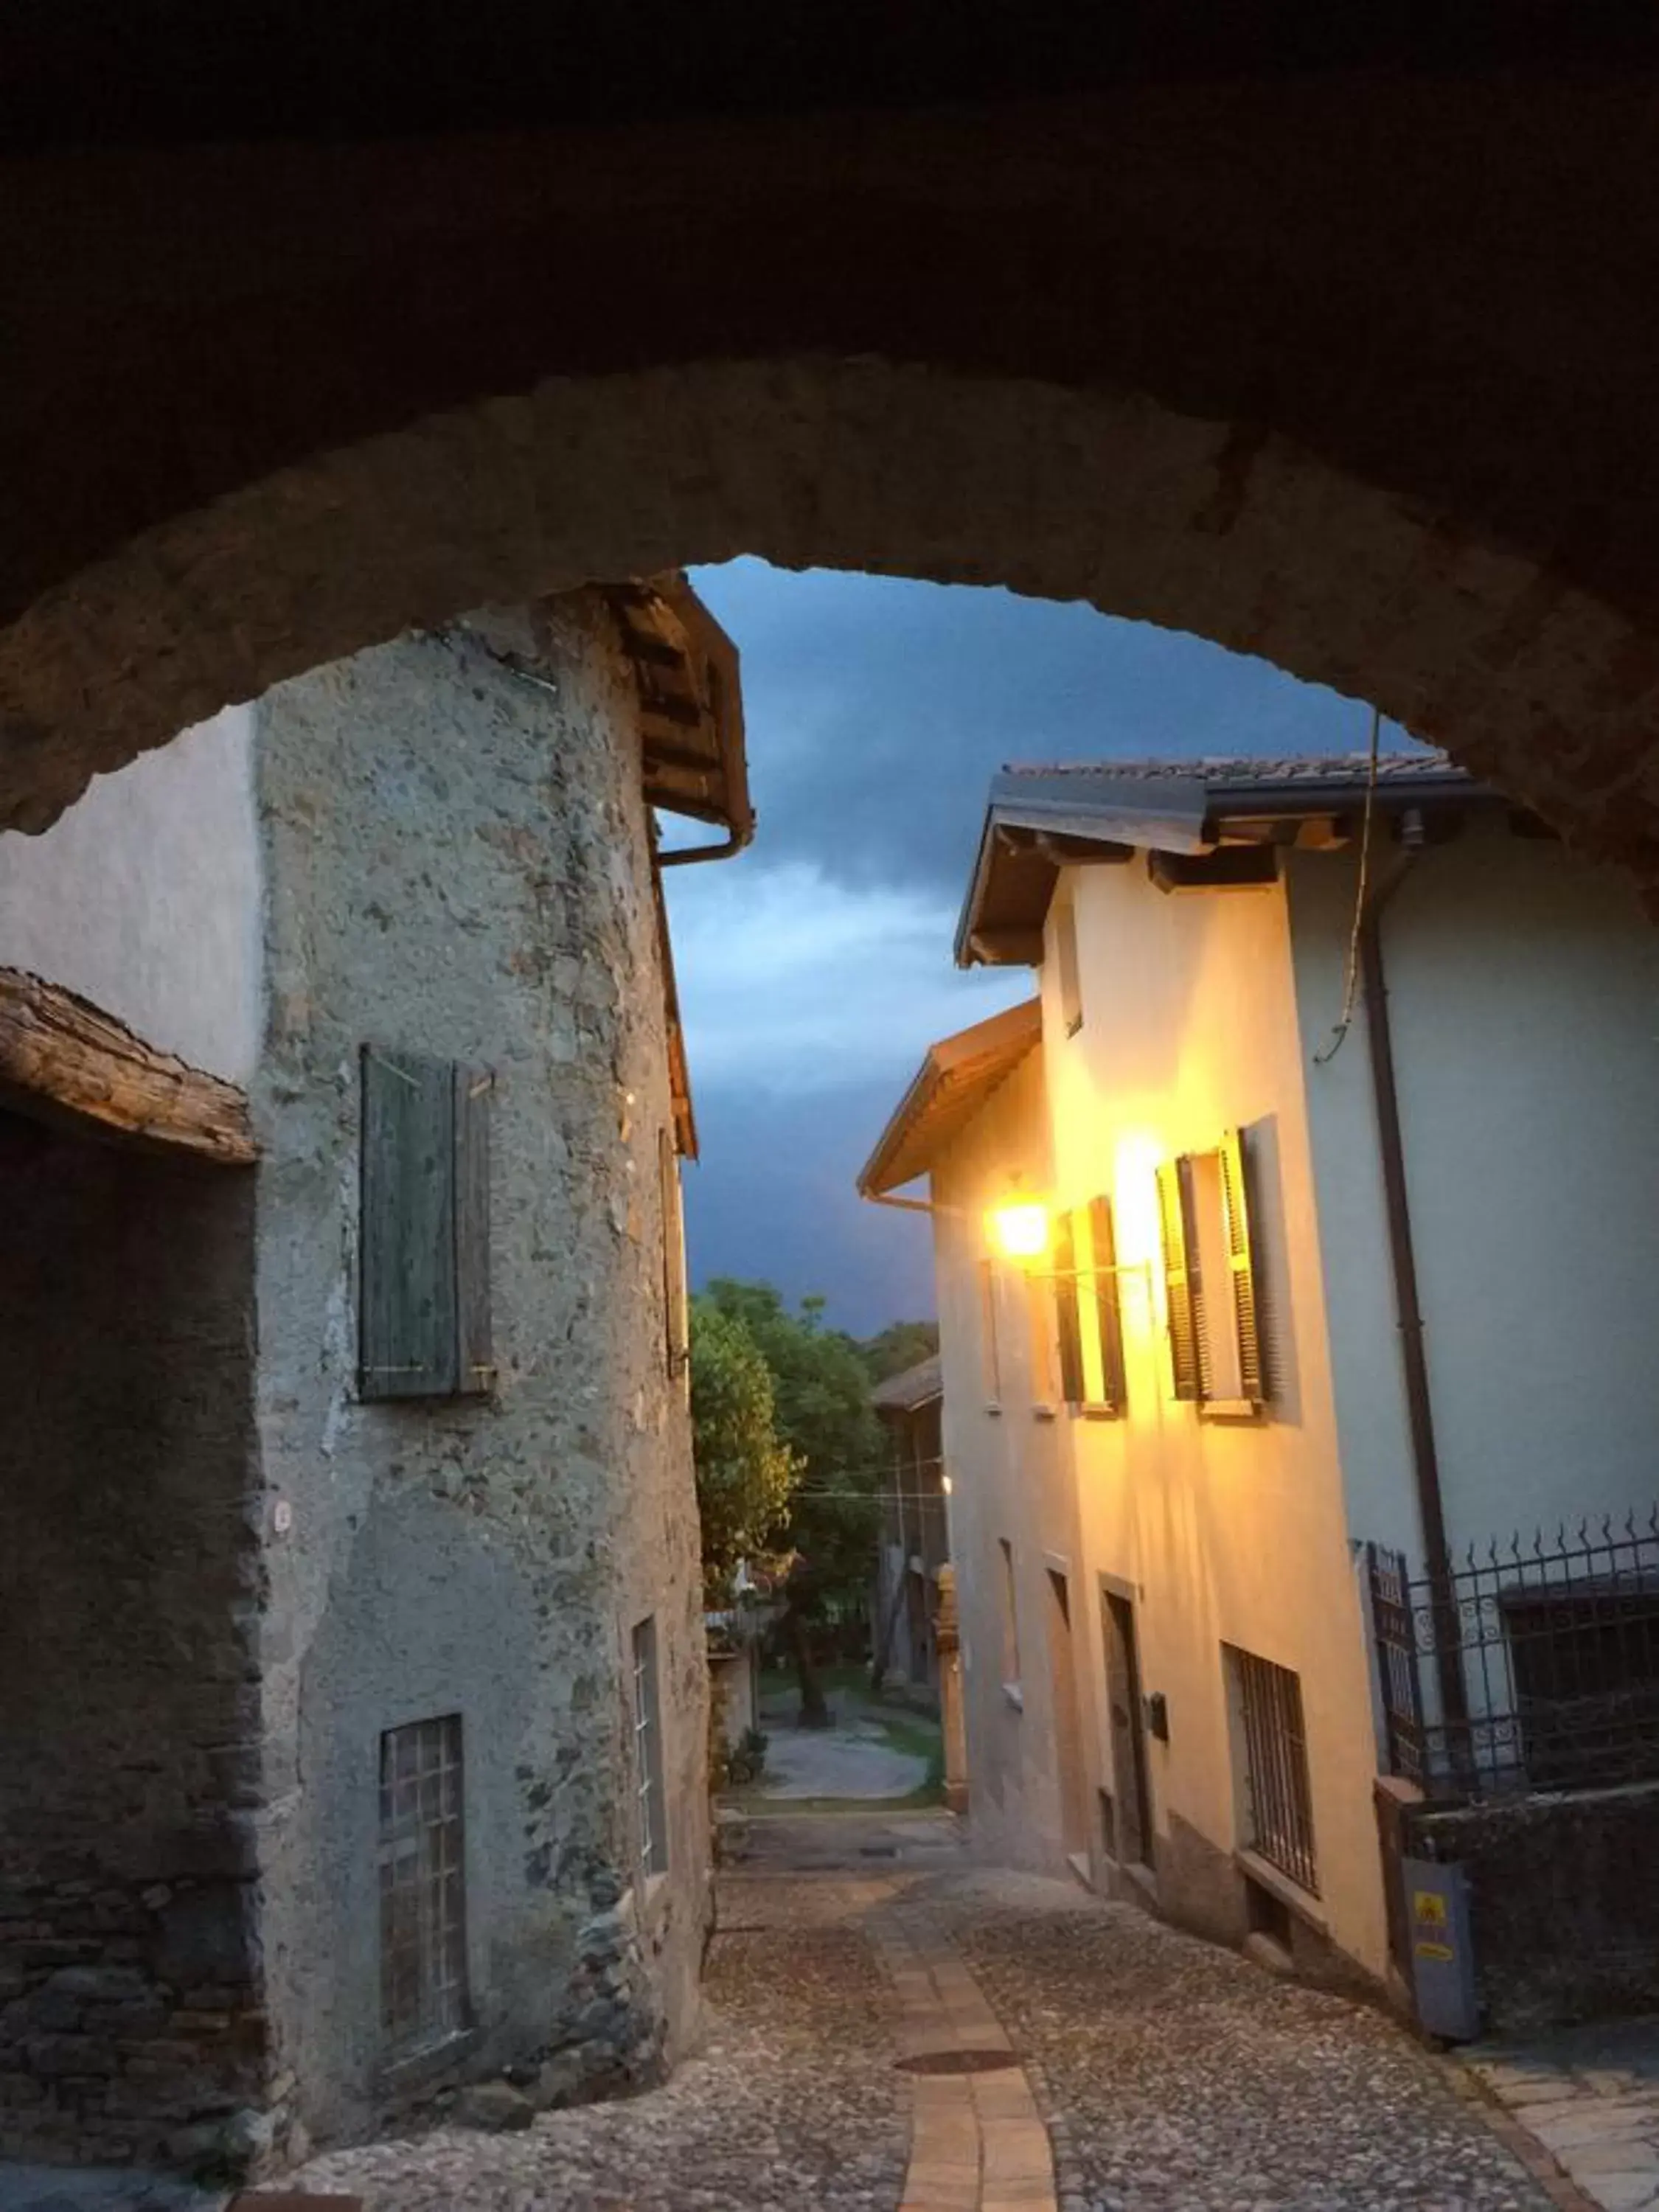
(1241, 1265)
(1108, 1319)
(423, 1302)
(1067, 1329)
(1180, 1286)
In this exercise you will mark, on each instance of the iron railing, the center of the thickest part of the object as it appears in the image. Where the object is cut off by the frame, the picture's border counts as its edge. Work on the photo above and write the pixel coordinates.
(1533, 1665)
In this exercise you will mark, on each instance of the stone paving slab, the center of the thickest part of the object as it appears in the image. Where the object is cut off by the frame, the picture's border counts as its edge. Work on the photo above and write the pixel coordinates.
(1589, 2098)
(977, 2143)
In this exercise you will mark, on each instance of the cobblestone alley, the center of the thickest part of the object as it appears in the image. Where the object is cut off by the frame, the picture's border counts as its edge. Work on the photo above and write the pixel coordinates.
(1118, 2066)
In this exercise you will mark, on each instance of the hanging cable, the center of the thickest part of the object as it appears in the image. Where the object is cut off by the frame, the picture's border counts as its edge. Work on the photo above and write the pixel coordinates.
(1350, 989)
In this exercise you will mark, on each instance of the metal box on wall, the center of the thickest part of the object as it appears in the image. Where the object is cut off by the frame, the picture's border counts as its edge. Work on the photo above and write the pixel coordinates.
(1441, 1947)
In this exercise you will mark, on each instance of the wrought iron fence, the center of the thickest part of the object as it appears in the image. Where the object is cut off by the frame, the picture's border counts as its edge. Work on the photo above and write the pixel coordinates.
(1529, 1666)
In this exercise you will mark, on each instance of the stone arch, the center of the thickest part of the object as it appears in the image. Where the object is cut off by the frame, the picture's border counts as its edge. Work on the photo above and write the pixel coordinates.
(1234, 533)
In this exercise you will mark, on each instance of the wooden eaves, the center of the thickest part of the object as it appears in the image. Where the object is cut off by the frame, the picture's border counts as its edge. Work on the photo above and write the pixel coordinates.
(67, 1062)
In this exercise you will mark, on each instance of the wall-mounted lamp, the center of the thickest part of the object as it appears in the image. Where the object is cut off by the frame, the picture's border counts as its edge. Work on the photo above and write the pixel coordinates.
(1019, 1229)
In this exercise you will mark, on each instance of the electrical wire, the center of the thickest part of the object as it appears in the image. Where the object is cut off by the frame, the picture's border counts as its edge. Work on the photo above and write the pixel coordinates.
(1350, 989)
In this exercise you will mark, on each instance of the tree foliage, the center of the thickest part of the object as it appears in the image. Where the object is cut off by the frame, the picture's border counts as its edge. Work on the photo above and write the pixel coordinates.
(746, 1472)
(901, 1343)
(821, 1396)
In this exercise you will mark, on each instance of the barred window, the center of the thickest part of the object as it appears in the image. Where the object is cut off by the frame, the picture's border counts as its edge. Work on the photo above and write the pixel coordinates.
(647, 1753)
(1272, 1742)
(423, 1996)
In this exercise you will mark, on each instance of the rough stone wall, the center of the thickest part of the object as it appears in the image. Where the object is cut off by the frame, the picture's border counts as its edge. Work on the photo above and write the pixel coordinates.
(1331, 368)
(457, 865)
(131, 2008)
(1563, 1902)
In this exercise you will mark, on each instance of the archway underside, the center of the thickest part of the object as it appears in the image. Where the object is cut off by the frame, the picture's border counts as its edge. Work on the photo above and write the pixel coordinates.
(1322, 372)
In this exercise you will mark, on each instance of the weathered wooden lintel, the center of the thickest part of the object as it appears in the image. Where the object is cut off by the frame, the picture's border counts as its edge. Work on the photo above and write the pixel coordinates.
(64, 1060)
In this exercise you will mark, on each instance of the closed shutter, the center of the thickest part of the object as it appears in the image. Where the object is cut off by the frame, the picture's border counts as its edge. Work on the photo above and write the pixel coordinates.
(1066, 1329)
(675, 1315)
(475, 1088)
(1180, 1283)
(1241, 1265)
(1108, 1319)
(424, 1304)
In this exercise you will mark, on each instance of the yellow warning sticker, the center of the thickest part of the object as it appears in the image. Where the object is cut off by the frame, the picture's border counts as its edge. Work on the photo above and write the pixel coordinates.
(1429, 1908)
(1426, 1950)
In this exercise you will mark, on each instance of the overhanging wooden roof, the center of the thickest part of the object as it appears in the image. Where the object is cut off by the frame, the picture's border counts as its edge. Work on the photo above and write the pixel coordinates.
(690, 703)
(1182, 814)
(65, 1061)
(954, 1081)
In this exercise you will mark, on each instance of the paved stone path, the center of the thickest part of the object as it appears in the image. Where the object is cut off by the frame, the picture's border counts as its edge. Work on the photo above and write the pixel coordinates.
(1128, 2069)
(854, 1758)
(1590, 2096)
(977, 2141)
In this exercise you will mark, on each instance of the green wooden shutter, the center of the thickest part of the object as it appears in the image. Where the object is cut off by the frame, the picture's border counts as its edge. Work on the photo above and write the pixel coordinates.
(1065, 1312)
(1241, 1267)
(475, 1089)
(1181, 1283)
(424, 1303)
(1109, 1319)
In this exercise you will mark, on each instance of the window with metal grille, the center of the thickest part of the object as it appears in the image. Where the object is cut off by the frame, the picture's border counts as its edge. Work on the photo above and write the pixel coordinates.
(647, 1753)
(1272, 1747)
(423, 1884)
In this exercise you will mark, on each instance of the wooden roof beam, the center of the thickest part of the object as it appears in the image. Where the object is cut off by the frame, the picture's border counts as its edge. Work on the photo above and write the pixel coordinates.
(65, 1061)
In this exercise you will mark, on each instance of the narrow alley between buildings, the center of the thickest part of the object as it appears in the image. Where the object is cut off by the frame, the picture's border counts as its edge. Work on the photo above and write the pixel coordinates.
(890, 2025)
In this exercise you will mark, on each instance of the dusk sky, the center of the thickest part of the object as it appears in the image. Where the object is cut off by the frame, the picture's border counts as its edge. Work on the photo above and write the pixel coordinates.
(815, 970)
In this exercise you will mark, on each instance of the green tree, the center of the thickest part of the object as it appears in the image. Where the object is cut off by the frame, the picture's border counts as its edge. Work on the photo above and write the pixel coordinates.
(821, 1394)
(745, 1471)
(901, 1343)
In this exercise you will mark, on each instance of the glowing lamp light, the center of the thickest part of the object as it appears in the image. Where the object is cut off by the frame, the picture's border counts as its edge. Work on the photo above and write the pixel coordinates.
(1019, 1229)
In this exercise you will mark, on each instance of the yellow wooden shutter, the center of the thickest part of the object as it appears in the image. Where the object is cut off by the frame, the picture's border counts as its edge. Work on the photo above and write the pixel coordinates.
(1240, 1268)
(1181, 1283)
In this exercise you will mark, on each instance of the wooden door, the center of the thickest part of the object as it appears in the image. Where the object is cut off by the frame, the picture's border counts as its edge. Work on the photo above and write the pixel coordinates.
(1128, 1730)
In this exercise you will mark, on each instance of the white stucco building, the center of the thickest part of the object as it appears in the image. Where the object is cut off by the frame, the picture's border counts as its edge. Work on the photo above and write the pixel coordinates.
(1295, 1301)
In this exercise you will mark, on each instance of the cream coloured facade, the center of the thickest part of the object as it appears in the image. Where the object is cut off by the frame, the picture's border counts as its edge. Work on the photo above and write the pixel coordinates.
(1164, 1606)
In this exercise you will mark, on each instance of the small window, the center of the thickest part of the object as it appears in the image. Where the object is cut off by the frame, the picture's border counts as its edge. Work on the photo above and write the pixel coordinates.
(1010, 1620)
(648, 1753)
(1071, 995)
(1087, 1327)
(422, 1885)
(424, 1304)
(1042, 1312)
(1104, 1337)
(1271, 1748)
(676, 1319)
(1216, 1352)
(990, 1350)
(1068, 1330)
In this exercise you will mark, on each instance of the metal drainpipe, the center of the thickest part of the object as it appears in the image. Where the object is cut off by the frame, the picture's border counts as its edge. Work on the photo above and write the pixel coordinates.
(1419, 1405)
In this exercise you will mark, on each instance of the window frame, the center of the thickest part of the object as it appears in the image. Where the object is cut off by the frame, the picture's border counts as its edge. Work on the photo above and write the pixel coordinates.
(428, 1756)
(423, 1146)
(1190, 1308)
(677, 1303)
(651, 1799)
(1272, 1765)
(1067, 972)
